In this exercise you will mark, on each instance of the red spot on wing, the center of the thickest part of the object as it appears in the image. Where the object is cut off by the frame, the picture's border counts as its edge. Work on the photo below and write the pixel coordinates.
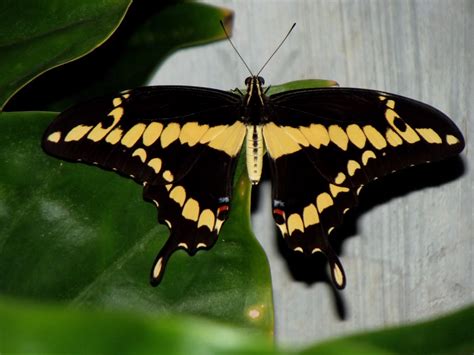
(223, 208)
(222, 212)
(279, 212)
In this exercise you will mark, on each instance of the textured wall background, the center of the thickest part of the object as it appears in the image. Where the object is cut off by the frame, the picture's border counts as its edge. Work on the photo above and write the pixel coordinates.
(408, 250)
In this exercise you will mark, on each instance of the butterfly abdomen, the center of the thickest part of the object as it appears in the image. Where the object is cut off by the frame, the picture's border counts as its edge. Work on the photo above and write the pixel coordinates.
(254, 145)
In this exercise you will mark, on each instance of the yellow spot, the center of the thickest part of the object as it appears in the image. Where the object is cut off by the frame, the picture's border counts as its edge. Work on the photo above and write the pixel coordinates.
(155, 164)
(117, 114)
(297, 136)
(283, 230)
(316, 250)
(212, 133)
(356, 135)
(338, 275)
(77, 133)
(117, 101)
(451, 140)
(99, 132)
(133, 135)
(295, 223)
(429, 135)
(114, 136)
(191, 133)
(323, 201)
(298, 249)
(277, 141)
(230, 140)
(374, 137)
(340, 178)
(168, 186)
(316, 134)
(183, 245)
(191, 210)
(409, 134)
(219, 223)
(390, 104)
(141, 153)
(207, 219)
(169, 134)
(168, 176)
(157, 268)
(392, 138)
(152, 133)
(54, 137)
(310, 215)
(381, 97)
(178, 194)
(335, 190)
(125, 95)
(352, 166)
(368, 154)
(338, 136)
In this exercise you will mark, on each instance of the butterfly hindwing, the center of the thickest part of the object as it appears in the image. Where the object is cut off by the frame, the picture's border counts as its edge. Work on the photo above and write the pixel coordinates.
(195, 207)
(325, 144)
(307, 208)
(181, 143)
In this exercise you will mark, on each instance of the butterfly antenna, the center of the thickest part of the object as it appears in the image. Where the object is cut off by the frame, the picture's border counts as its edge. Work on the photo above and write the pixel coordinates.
(277, 48)
(235, 49)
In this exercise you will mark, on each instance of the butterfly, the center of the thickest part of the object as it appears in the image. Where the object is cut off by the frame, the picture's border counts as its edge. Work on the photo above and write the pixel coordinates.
(182, 144)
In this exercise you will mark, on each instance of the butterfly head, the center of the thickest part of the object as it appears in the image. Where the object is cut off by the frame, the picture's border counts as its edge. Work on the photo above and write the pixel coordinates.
(254, 79)
(255, 93)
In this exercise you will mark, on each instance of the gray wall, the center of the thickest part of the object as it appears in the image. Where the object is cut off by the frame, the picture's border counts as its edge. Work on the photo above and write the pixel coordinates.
(408, 250)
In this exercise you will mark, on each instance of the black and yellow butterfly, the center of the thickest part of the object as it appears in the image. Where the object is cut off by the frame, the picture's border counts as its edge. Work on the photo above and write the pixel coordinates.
(182, 144)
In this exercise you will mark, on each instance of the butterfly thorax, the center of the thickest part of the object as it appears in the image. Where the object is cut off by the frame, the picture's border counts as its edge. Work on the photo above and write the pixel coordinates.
(254, 116)
(255, 101)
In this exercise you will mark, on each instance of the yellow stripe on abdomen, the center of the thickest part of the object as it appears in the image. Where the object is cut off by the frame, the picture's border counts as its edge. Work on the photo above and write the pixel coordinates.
(254, 145)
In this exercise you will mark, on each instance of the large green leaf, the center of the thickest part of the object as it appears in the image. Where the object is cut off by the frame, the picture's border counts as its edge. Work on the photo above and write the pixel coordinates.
(452, 334)
(301, 84)
(150, 32)
(47, 329)
(36, 36)
(77, 234)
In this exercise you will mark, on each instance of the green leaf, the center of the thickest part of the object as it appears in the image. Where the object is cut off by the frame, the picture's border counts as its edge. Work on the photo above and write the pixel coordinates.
(47, 329)
(452, 334)
(33, 328)
(301, 84)
(151, 31)
(77, 234)
(36, 36)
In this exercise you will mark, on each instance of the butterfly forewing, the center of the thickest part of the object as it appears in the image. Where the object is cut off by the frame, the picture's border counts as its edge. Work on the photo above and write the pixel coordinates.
(181, 143)
(347, 128)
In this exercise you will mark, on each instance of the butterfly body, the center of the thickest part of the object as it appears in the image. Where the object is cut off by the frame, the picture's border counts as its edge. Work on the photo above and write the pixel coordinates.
(255, 116)
(182, 143)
